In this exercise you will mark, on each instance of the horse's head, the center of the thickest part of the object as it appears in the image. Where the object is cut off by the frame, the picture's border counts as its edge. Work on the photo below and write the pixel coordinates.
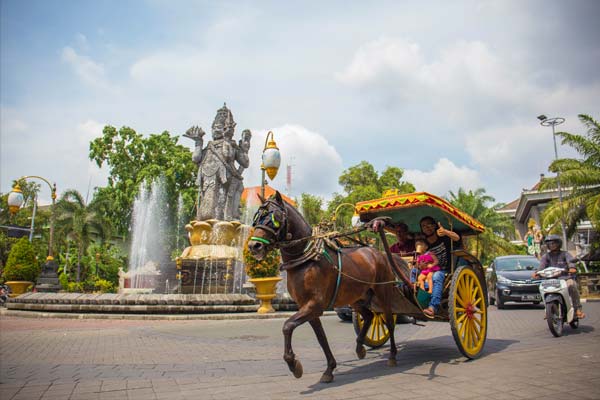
(270, 226)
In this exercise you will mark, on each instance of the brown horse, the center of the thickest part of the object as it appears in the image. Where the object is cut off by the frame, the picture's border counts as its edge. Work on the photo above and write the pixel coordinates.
(312, 281)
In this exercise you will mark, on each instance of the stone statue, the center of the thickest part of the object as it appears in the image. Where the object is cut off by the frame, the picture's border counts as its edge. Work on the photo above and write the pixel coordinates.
(219, 180)
(236, 181)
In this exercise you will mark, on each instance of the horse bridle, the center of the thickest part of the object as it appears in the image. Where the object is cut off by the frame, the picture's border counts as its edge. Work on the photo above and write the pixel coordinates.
(265, 220)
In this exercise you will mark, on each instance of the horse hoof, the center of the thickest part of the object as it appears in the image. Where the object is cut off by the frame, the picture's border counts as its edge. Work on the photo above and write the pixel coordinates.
(298, 371)
(327, 378)
(391, 362)
(361, 352)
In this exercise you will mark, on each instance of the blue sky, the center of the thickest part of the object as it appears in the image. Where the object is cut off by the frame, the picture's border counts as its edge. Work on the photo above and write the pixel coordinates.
(448, 91)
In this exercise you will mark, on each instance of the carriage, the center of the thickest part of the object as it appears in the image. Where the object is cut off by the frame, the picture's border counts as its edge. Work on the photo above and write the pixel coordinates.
(464, 298)
(322, 274)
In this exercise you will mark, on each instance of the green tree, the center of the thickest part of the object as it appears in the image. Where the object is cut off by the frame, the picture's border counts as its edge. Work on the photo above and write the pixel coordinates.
(79, 222)
(495, 240)
(312, 208)
(133, 160)
(362, 182)
(21, 264)
(581, 175)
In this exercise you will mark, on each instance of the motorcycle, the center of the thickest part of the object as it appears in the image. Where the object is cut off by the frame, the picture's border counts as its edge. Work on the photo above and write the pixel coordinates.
(555, 294)
(4, 292)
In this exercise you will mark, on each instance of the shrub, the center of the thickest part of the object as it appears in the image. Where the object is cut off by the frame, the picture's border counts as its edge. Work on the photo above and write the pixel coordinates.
(265, 268)
(75, 287)
(21, 264)
(104, 286)
(64, 281)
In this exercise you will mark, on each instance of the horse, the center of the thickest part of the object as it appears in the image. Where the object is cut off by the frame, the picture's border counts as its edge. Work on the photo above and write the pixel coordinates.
(314, 280)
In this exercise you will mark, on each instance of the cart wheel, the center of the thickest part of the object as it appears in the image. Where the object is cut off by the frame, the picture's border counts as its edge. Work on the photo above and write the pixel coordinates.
(468, 312)
(378, 333)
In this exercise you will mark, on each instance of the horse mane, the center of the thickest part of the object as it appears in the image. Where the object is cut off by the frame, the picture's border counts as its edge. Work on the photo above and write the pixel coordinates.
(300, 222)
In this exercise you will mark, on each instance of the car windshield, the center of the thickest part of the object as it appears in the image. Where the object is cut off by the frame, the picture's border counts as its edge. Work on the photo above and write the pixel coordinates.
(517, 264)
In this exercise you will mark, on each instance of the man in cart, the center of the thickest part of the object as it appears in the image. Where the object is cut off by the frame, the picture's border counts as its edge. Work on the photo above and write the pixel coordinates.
(441, 242)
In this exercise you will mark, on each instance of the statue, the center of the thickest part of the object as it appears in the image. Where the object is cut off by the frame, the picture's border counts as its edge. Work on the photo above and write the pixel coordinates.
(219, 180)
(236, 182)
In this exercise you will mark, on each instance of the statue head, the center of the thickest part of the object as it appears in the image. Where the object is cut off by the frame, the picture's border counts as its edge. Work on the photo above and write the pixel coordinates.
(223, 125)
(245, 140)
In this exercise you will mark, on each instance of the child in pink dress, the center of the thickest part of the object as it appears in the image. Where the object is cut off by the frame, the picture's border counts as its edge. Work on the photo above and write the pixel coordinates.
(427, 264)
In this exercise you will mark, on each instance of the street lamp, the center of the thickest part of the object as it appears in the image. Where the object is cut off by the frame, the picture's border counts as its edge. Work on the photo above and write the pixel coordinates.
(545, 121)
(15, 201)
(334, 216)
(271, 159)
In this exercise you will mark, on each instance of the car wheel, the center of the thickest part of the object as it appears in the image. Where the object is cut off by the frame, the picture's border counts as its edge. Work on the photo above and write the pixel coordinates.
(344, 316)
(404, 319)
(499, 302)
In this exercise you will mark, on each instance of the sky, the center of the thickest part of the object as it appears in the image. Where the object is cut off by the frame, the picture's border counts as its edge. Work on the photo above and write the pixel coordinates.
(447, 91)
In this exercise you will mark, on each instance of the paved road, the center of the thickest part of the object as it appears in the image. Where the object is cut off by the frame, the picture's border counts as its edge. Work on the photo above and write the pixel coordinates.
(45, 358)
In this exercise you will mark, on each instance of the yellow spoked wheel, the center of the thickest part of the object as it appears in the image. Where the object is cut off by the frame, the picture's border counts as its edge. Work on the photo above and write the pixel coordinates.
(378, 332)
(468, 312)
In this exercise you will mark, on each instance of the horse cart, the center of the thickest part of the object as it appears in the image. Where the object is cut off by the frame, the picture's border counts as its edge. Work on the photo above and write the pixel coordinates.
(322, 274)
(464, 298)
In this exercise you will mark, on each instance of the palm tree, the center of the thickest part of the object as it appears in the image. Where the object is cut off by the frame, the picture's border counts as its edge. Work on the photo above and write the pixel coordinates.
(499, 229)
(78, 222)
(581, 175)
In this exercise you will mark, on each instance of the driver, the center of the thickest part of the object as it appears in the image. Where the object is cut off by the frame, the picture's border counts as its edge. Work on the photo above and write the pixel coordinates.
(561, 259)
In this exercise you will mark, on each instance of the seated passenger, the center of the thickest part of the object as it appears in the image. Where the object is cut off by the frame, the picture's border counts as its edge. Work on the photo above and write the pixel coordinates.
(441, 242)
(405, 245)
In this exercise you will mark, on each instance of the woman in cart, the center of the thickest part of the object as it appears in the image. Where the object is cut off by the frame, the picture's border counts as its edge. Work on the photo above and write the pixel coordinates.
(440, 244)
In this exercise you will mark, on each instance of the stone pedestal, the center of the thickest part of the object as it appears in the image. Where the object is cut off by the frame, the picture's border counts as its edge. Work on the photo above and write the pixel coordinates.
(48, 281)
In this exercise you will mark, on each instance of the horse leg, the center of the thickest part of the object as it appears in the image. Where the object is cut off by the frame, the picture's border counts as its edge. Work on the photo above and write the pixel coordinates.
(367, 316)
(390, 323)
(331, 363)
(303, 315)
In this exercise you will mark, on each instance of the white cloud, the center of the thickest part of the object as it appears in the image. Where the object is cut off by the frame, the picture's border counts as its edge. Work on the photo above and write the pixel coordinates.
(11, 122)
(316, 165)
(444, 176)
(90, 130)
(375, 59)
(176, 67)
(87, 70)
(466, 82)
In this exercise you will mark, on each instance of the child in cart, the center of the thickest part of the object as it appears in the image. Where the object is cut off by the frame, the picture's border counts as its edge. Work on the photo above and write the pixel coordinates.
(420, 249)
(427, 265)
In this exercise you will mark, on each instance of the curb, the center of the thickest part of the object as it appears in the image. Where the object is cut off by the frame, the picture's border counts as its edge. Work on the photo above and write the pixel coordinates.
(168, 317)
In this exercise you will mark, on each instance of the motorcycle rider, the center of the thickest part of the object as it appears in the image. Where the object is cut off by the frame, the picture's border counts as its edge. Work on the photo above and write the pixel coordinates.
(555, 257)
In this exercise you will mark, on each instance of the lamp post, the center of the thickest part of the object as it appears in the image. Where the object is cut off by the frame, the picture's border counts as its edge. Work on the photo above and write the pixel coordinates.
(334, 216)
(15, 201)
(271, 159)
(545, 121)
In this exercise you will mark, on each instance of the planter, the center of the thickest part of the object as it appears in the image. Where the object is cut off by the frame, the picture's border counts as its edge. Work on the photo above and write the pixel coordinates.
(265, 292)
(18, 287)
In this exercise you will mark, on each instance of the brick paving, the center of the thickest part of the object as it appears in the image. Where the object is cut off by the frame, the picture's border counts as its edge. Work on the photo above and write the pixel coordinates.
(47, 358)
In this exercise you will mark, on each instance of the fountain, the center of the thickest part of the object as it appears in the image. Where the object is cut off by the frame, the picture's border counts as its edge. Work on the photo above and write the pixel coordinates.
(148, 249)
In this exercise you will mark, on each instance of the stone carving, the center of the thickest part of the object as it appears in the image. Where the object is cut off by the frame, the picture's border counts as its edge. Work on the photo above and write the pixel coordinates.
(220, 181)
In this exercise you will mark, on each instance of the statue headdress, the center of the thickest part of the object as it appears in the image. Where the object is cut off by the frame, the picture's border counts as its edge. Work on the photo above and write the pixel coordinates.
(225, 118)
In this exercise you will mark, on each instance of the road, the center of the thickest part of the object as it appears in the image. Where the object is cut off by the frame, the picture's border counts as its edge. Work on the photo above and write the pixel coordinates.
(46, 358)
